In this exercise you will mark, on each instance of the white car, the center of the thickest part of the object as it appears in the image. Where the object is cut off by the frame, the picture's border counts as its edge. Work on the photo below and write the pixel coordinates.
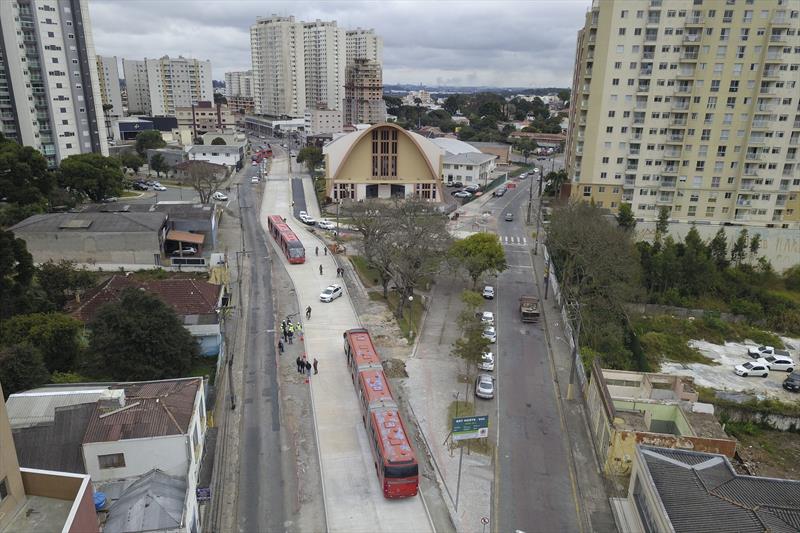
(220, 196)
(488, 292)
(523, 175)
(487, 318)
(463, 194)
(254, 179)
(308, 220)
(760, 351)
(777, 362)
(484, 386)
(325, 224)
(302, 214)
(158, 187)
(487, 362)
(752, 368)
(491, 335)
(330, 293)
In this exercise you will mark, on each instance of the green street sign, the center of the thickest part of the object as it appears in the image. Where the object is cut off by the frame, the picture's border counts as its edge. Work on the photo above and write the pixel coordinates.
(470, 427)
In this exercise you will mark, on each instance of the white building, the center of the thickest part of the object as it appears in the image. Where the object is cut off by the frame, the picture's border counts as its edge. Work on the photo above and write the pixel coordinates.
(364, 44)
(108, 75)
(325, 58)
(157, 86)
(239, 83)
(279, 79)
(49, 87)
(462, 162)
(321, 121)
(228, 155)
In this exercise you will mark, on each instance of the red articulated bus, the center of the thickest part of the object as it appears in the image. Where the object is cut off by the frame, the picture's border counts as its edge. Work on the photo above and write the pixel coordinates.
(286, 239)
(394, 459)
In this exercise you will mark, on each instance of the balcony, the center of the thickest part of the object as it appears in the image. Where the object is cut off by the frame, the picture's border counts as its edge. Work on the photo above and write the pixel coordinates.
(688, 57)
(629, 183)
(766, 107)
(643, 88)
(683, 89)
(760, 124)
(638, 120)
(692, 38)
(672, 152)
(698, 20)
(743, 203)
(646, 72)
(680, 105)
(631, 167)
(753, 156)
(637, 136)
(668, 184)
(664, 200)
(670, 169)
(751, 171)
(775, 38)
(633, 151)
(587, 73)
(675, 138)
(627, 197)
(781, 21)
(648, 55)
(678, 122)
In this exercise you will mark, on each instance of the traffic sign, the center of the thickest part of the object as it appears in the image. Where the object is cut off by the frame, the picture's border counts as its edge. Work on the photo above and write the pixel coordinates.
(470, 427)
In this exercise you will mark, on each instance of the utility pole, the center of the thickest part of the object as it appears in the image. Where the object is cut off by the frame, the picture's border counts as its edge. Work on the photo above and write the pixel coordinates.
(575, 340)
(530, 203)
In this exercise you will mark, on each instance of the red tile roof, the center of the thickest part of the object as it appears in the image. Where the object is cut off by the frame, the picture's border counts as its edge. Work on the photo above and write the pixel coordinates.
(185, 296)
(152, 409)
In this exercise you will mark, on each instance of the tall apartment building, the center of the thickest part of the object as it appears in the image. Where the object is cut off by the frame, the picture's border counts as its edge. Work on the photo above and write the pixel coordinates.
(325, 57)
(363, 100)
(279, 79)
(108, 75)
(364, 44)
(239, 83)
(690, 105)
(158, 86)
(49, 87)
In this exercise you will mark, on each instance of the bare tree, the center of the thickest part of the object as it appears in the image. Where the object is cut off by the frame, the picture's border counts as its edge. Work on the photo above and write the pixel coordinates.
(204, 177)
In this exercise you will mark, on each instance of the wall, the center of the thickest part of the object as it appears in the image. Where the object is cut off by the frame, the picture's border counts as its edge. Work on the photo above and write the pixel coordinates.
(649, 497)
(76, 488)
(141, 455)
(658, 411)
(9, 468)
(208, 337)
(683, 312)
(775, 421)
(88, 247)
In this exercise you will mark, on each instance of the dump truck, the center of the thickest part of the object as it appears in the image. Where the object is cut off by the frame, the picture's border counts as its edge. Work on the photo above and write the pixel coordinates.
(529, 308)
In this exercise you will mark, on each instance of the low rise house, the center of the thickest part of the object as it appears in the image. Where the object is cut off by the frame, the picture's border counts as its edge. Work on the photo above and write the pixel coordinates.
(465, 163)
(229, 136)
(131, 503)
(172, 156)
(230, 156)
(501, 150)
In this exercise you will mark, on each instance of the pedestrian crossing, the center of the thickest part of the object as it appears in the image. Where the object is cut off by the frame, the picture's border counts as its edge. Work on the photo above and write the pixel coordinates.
(513, 240)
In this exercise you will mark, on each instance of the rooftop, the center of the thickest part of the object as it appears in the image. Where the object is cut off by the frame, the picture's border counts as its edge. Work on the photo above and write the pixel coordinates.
(454, 146)
(175, 210)
(471, 158)
(154, 501)
(57, 445)
(40, 513)
(91, 223)
(185, 296)
(702, 493)
(38, 406)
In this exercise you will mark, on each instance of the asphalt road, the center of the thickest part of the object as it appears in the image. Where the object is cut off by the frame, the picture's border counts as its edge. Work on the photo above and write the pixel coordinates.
(261, 483)
(534, 488)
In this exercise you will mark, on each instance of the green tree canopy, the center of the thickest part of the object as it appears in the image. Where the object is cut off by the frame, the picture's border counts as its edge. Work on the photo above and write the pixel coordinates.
(94, 175)
(61, 280)
(132, 160)
(479, 254)
(625, 217)
(311, 156)
(55, 336)
(159, 164)
(21, 368)
(16, 274)
(24, 178)
(525, 147)
(140, 338)
(148, 140)
(471, 345)
(218, 141)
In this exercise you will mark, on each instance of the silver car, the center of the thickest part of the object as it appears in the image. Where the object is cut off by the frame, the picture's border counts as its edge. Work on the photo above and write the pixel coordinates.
(484, 386)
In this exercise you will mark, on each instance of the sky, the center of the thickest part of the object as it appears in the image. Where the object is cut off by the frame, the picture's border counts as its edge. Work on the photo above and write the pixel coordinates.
(514, 43)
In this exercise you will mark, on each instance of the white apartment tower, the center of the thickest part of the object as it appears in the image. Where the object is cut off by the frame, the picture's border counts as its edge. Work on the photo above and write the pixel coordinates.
(689, 105)
(108, 74)
(158, 86)
(364, 44)
(279, 78)
(239, 83)
(49, 87)
(325, 57)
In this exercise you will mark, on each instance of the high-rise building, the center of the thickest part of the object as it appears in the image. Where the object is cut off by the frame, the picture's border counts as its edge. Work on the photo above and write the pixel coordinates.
(688, 105)
(278, 55)
(363, 100)
(158, 86)
(239, 83)
(325, 57)
(364, 44)
(108, 75)
(49, 87)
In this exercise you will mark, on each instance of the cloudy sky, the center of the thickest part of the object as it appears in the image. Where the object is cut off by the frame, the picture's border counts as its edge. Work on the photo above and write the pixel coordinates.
(516, 43)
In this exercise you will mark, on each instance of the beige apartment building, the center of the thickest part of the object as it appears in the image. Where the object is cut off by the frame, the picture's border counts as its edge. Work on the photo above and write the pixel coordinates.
(363, 93)
(364, 44)
(279, 76)
(692, 105)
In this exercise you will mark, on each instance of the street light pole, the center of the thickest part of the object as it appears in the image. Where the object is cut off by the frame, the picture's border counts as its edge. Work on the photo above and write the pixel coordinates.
(575, 342)
(411, 310)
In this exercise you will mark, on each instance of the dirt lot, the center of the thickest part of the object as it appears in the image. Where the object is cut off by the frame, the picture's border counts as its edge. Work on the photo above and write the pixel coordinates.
(771, 453)
(721, 376)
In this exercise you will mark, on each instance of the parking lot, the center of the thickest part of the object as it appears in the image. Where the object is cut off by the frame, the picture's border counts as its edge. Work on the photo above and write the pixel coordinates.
(722, 377)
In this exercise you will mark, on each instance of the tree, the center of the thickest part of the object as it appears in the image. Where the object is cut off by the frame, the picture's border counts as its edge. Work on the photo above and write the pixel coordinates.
(61, 280)
(697, 269)
(150, 139)
(24, 178)
(21, 368)
(220, 99)
(755, 245)
(479, 254)
(311, 156)
(132, 160)
(739, 248)
(471, 345)
(204, 177)
(392, 102)
(662, 224)
(159, 164)
(16, 274)
(563, 95)
(718, 249)
(140, 338)
(94, 175)
(218, 141)
(625, 217)
(525, 147)
(372, 219)
(554, 181)
(55, 336)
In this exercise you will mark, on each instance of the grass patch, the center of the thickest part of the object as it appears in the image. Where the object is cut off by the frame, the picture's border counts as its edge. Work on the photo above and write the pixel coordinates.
(414, 312)
(742, 429)
(130, 194)
(754, 405)
(462, 408)
(368, 275)
(658, 345)
(204, 366)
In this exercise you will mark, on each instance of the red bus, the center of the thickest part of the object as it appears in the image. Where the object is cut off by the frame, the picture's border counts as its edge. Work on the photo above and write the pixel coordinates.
(394, 459)
(287, 241)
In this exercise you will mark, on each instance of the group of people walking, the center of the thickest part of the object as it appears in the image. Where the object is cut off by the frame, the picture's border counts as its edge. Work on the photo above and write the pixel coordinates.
(304, 366)
(288, 330)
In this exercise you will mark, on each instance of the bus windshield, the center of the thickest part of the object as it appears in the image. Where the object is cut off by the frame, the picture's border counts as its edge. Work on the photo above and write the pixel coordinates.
(296, 252)
(398, 471)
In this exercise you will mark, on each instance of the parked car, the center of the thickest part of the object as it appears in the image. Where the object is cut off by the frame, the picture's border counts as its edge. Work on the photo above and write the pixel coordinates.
(536, 170)
(777, 362)
(473, 188)
(330, 293)
(509, 217)
(792, 383)
(486, 317)
(219, 196)
(500, 191)
(488, 292)
(186, 250)
(254, 179)
(484, 386)
(109, 199)
(451, 183)
(760, 351)
(140, 186)
(541, 158)
(458, 184)
(523, 176)
(462, 194)
(752, 368)
(308, 220)
(158, 187)
(325, 224)
(487, 362)
(302, 214)
(490, 334)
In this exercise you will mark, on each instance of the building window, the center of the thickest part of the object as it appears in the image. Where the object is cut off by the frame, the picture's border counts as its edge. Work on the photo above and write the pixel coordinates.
(384, 153)
(114, 460)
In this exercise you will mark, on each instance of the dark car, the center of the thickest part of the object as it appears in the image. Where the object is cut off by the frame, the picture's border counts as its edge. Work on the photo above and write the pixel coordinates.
(458, 184)
(140, 186)
(792, 383)
(500, 191)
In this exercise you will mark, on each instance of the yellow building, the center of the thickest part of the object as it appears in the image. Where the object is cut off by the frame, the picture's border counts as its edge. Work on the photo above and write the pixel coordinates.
(690, 105)
(383, 161)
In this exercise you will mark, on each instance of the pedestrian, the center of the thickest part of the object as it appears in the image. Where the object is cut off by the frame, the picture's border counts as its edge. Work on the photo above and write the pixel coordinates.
(280, 346)
(326, 250)
(320, 270)
(290, 333)
(283, 325)
(308, 313)
(285, 335)
(315, 366)
(316, 250)
(299, 362)
(308, 369)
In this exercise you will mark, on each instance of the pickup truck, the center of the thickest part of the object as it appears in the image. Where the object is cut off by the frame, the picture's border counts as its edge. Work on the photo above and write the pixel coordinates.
(529, 308)
(762, 351)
